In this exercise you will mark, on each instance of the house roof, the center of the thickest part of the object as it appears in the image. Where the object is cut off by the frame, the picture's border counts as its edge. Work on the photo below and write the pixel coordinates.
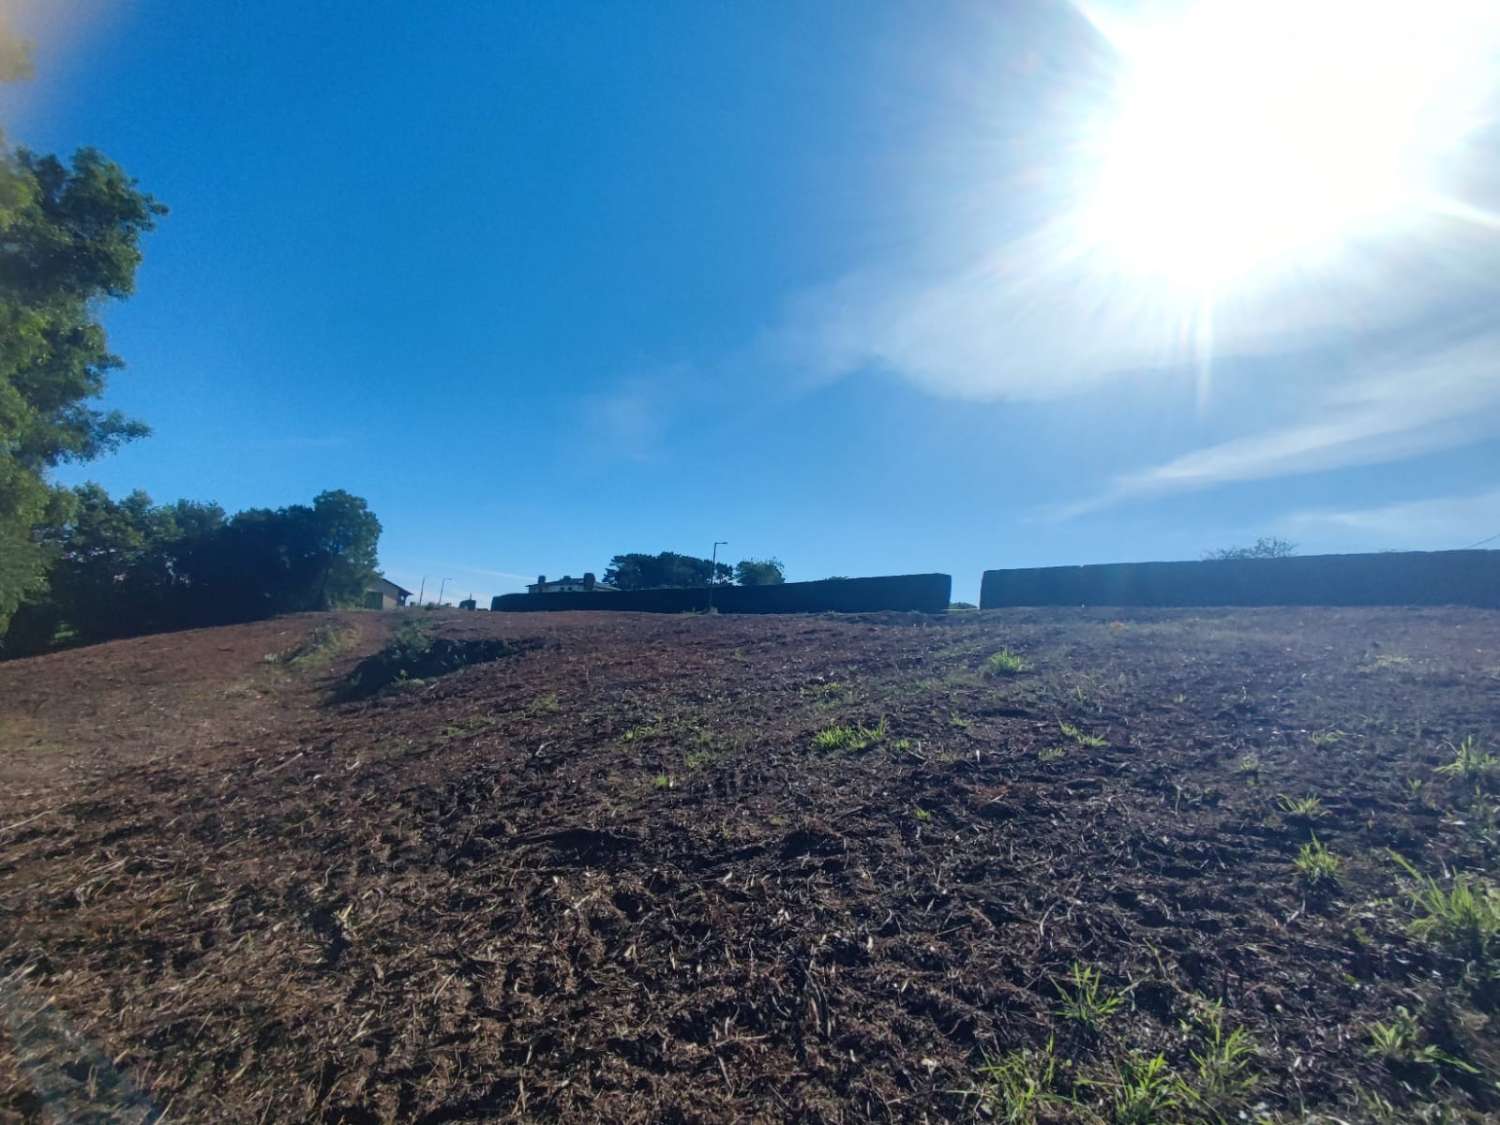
(386, 586)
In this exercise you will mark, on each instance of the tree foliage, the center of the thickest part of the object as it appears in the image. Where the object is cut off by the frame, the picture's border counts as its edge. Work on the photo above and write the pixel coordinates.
(759, 572)
(645, 572)
(69, 238)
(1262, 548)
(121, 567)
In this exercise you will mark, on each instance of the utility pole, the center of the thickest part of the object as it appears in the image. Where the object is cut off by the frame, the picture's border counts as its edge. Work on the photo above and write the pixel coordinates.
(441, 588)
(421, 590)
(713, 570)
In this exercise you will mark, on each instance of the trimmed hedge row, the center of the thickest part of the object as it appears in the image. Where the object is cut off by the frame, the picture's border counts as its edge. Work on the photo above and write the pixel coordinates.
(922, 593)
(1395, 578)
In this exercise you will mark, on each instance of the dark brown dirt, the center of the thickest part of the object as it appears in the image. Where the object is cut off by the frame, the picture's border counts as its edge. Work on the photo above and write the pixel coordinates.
(610, 876)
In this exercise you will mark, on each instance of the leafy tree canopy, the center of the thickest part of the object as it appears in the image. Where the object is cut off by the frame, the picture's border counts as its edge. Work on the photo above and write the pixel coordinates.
(645, 572)
(759, 572)
(128, 566)
(69, 237)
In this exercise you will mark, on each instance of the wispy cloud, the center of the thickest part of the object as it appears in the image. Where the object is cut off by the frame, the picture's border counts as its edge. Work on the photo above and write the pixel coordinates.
(1435, 523)
(1426, 402)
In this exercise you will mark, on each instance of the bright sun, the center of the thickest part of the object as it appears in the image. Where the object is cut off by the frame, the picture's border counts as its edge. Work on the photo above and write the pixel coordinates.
(1255, 135)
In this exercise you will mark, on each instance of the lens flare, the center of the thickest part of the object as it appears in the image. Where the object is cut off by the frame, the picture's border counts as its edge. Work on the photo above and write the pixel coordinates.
(1243, 138)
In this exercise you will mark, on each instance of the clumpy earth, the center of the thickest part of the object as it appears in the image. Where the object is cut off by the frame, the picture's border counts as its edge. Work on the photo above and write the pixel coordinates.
(1140, 866)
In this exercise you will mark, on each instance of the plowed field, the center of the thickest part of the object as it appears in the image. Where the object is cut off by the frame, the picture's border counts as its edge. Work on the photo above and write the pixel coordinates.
(648, 868)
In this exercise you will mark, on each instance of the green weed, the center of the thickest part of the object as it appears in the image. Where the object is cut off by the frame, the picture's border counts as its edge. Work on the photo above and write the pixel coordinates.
(1223, 1079)
(1301, 808)
(1090, 740)
(1051, 753)
(1317, 864)
(1470, 763)
(1086, 1000)
(1015, 1087)
(922, 814)
(662, 781)
(850, 739)
(1464, 917)
(1143, 1091)
(1399, 1043)
(1004, 663)
(1327, 738)
(643, 730)
(544, 704)
(1248, 764)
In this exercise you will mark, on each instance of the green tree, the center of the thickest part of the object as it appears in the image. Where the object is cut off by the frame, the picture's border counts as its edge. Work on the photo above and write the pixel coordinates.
(645, 572)
(1263, 548)
(69, 238)
(122, 567)
(759, 572)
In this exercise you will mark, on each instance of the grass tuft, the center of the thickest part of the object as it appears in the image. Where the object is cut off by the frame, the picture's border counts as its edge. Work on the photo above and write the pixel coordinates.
(1093, 741)
(1084, 999)
(1464, 917)
(1004, 663)
(850, 739)
(1471, 764)
(1017, 1086)
(1317, 864)
(1302, 808)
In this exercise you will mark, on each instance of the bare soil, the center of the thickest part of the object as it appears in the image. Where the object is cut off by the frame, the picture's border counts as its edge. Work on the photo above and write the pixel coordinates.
(611, 873)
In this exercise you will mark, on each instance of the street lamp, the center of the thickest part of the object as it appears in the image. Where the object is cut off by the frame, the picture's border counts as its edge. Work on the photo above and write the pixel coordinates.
(441, 588)
(713, 570)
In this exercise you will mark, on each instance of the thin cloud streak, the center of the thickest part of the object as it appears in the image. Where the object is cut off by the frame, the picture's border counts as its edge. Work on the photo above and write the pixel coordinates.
(1443, 400)
(1437, 523)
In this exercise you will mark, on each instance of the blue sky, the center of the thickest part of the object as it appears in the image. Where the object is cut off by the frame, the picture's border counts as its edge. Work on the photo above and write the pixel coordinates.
(545, 283)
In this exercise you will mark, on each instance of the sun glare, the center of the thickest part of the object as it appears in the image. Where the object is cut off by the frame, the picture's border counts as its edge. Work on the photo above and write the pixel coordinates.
(1243, 137)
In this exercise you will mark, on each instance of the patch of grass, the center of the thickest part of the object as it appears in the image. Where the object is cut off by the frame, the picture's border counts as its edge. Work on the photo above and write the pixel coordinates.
(1248, 764)
(1399, 1044)
(921, 814)
(1083, 739)
(1143, 1091)
(662, 781)
(1084, 998)
(1316, 864)
(1465, 917)
(1301, 808)
(1051, 753)
(1387, 661)
(697, 759)
(1223, 1078)
(544, 704)
(1470, 763)
(959, 722)
(317, 649)
(850, 739)
(1004, 663)
(643, 730)
(1323, 738)
(1014, 1088)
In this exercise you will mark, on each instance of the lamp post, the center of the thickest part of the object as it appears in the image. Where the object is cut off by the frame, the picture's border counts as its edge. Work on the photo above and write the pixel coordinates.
(713, 570)
(441, 588)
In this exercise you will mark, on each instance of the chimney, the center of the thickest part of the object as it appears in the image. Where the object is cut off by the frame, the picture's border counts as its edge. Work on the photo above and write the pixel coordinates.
(541, 579)
(588, 579)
